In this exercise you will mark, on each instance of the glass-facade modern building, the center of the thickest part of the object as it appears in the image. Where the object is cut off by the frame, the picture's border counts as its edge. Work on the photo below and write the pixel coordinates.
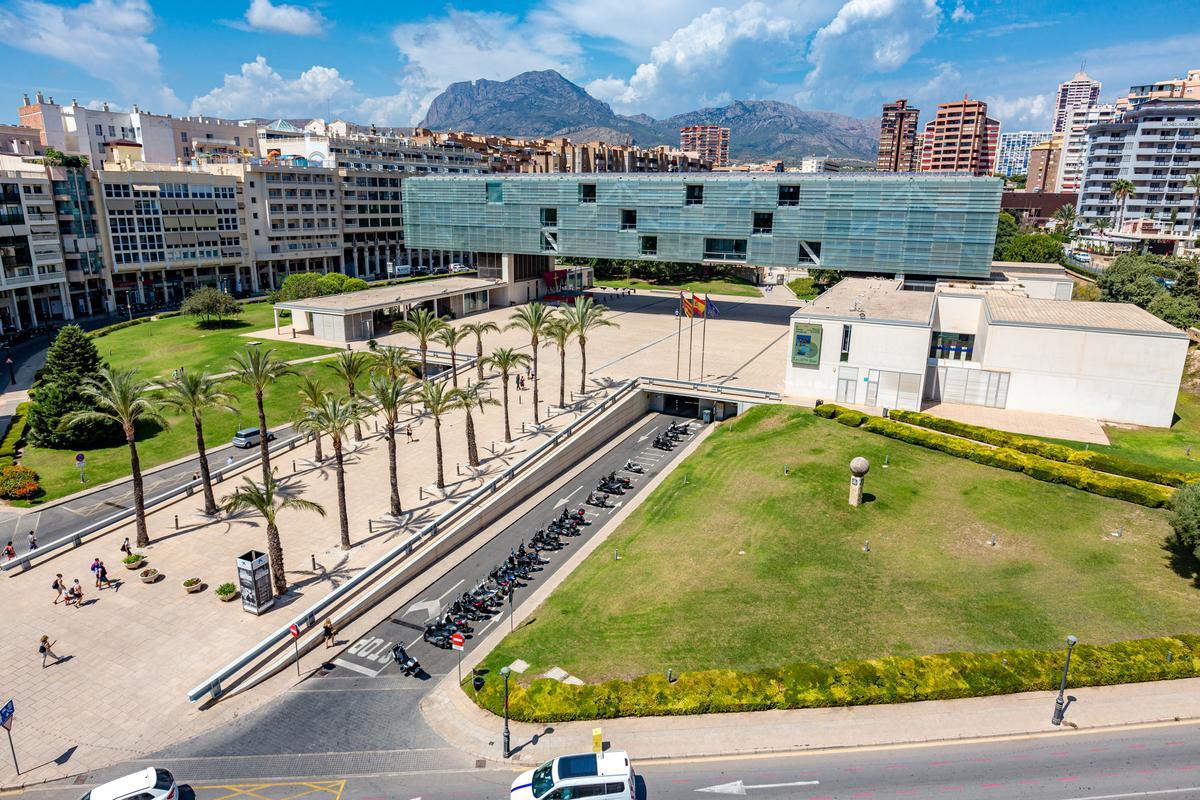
(892, 224)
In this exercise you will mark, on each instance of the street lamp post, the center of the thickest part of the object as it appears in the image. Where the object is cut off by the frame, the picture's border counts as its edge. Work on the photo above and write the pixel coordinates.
(1059, 706)
(505, 671)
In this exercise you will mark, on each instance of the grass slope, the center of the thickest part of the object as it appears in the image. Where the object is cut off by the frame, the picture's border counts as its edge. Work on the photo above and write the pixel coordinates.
(744, 567)
(726, 286)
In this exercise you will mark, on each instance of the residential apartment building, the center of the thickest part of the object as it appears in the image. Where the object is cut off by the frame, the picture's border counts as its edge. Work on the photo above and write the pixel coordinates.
(1044, 158)
(899, 148)
(710, 142)
(816, 164)
(1075, 143)
(33, 281)
(164, 139)
(961, 138)
(1185, 88)
(1156, 146)
(1013, 152)
(867, 222)
(78, 210)
(1079, 91)
(18, 140)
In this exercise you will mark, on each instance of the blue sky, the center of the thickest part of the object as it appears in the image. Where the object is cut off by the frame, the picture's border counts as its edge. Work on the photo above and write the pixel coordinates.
(384, 62)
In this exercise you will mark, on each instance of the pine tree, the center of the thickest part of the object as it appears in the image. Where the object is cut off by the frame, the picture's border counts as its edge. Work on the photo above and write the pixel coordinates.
(71, 360)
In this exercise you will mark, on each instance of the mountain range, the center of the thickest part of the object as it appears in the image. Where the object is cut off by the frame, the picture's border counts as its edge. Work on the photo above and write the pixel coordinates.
(545, 104)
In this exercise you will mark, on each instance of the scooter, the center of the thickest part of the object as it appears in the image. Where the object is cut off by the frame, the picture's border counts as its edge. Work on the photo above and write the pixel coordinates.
(598, 500)
(408, 665)
(661, 443)
(631, 466)
(620, 480)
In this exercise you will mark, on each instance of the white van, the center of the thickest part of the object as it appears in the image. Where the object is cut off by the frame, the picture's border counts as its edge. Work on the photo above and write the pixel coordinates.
(402, 270)
(603, 776)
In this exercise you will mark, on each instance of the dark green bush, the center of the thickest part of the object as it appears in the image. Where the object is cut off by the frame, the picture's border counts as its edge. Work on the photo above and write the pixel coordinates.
(943, 676)
(829, 410)
(129, 323)
(850, 418)
(1101, 462)
(14, 437)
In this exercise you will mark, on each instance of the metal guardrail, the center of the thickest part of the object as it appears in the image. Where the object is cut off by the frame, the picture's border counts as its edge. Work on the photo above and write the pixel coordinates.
(715, 388)
(308, 620)
(75, 539)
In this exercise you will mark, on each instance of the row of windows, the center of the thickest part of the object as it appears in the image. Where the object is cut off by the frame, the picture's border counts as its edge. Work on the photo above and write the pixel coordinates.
(130, 224)
(139, 257)
(291, 177)
(131, 242)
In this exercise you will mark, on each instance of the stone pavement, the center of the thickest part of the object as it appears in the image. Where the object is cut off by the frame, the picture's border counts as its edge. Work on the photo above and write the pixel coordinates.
(467, 727)
(131, 652)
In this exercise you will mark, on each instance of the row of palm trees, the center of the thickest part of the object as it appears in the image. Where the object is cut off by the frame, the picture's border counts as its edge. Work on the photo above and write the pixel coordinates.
(1122, 190)
(390, 375)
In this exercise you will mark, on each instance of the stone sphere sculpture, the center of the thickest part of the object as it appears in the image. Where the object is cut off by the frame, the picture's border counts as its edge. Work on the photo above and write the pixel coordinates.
(859, 466)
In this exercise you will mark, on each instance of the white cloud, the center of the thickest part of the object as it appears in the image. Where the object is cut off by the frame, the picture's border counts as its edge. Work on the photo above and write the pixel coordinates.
(610, 19)
(1020, 112)
(263, 15)
(258, 90)
(961, 13)
(108, 39)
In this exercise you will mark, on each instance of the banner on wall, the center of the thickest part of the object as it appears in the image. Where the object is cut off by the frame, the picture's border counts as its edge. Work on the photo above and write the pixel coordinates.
(806, 345)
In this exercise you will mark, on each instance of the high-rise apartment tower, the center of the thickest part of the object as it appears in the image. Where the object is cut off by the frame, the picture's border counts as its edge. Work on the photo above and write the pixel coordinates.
(899, 150)
(710, 141)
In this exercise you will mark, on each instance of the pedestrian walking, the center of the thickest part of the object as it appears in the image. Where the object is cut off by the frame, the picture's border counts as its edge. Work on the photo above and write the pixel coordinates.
(76, 591)
(9, 552)
(60, 587)
(102, 577)
(229, 460)
(408, 433)
(195, 475)
(45, 648)
(328, 633)
(125, 548)
(95, 570)
(32, 541)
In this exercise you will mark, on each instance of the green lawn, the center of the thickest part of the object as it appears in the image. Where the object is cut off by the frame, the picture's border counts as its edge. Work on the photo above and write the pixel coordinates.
(743, 567)
(158, 347)
(728, 286)
(155, 348)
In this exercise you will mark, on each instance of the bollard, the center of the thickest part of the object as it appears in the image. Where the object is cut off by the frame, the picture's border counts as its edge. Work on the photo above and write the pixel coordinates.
(421, 492)
(616, 554)
(377, 426)
(597, 740)
(313, 556)
(176, 522)
(885, 460)
(370, 526)
(293, 465)
(785, 469)
(458, 469)
(492, 447)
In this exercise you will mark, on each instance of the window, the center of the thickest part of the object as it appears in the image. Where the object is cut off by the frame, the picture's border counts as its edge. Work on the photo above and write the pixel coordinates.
(99, 129)
(183, 136)
(628, 219)
(495, 191)
(725, 249)
(112, 131)
(587, 192)
(952, 346)
(649, 245)
(694, 195)
(549, 217)
(789, 195)
(810, 253)
(845, 353)
(764, 221)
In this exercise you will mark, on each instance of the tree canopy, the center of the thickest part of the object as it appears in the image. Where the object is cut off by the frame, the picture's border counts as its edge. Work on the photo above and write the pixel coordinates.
(1006, 229)
(210, 306)
(1039, 248)
(71, 360)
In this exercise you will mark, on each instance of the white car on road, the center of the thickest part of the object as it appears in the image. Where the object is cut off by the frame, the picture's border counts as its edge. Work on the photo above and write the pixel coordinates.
(602, 776)
(148, 784)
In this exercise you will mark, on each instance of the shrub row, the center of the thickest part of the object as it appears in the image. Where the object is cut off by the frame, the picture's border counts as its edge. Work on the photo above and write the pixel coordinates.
(14, 437)
(18, 483)
(1102, 462)
(129, 323)
(1042, 469)
(944, 676)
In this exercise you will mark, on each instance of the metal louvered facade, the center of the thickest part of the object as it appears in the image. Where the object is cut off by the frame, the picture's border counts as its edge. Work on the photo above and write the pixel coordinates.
(910, 224)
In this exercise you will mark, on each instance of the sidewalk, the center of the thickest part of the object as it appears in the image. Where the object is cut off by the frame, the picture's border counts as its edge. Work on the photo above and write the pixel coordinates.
(465, 726)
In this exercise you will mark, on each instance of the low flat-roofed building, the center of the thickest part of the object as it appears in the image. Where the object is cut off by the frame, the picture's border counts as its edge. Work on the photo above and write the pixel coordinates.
(1005, 343)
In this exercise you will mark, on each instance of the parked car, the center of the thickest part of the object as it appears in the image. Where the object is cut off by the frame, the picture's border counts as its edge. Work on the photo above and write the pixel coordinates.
(1082, 258)
(603, 776)
(249, 437)
(461, 268)
(420, 269)
(402, 270)
(147, 784)
(441, 269)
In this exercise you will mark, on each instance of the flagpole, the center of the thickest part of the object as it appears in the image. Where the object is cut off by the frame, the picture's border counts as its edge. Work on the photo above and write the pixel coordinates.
(678, 334)
(703, 337)
(691, 338)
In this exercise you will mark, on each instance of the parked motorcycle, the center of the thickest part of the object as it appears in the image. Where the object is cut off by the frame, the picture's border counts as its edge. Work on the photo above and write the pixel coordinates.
(408, 665)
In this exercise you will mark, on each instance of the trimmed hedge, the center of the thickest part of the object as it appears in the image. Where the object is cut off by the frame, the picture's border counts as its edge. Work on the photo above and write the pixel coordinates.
(129, 323)
(1102, 462)
(14, 437)
(943, 676)
(1042, 469)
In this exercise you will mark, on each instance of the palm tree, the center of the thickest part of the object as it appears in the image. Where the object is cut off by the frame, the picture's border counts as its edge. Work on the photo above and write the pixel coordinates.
(469, 398)
(311, 391)
(351, 366)
(258, 367)
(1102, 224)
(1065, 215)
(121, 397)
(438, 400)
(533, 319)
(267, 501)
(422, 324)
(478, 330)
(333, 416)
(507, 361)
(390, 398)
(194, 393)
(585, 315)
(1121, 190)
(1193, 183)
(559, 333)
(452, 337)
(394, 362)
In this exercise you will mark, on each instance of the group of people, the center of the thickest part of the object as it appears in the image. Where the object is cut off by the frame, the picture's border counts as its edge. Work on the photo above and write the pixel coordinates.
(523, 380)
(10, 552)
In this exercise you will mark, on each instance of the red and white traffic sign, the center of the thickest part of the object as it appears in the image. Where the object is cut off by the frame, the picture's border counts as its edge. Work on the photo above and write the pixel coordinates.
(294, 631)
(457, 640)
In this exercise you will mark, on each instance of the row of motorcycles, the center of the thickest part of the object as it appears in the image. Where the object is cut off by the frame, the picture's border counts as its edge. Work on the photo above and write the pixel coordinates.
(671, 436)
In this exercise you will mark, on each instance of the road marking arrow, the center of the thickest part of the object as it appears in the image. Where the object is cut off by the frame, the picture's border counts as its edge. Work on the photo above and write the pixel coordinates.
(739, 788)
(432, 607)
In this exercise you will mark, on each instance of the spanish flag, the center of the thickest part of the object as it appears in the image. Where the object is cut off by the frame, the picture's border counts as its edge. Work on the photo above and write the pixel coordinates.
(698, 306)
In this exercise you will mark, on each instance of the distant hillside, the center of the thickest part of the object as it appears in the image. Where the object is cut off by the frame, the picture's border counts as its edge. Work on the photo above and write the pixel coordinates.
(547, 104)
